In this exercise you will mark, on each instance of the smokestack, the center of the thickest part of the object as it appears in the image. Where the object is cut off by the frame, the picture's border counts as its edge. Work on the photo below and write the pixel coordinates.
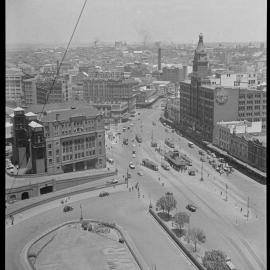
(159, 59)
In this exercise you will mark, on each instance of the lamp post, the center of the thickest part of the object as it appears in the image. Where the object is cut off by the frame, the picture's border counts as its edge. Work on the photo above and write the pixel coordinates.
(81, 218)
(202, 172)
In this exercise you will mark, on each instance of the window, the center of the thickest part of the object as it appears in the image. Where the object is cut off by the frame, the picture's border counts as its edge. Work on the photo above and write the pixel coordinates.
(50, 161)
(57, 160)
(50, 146)
(257, 107)
(49, 153)
(249, 108)
(99, 143)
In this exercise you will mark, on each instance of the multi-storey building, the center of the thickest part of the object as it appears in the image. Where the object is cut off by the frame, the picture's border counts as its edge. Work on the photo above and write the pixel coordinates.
(14, 84)
(113, 113)
(44, 86)
(101, 90)
(204, 103)
(173, 110)
(224, 130)
(64, 138)
(29, 90)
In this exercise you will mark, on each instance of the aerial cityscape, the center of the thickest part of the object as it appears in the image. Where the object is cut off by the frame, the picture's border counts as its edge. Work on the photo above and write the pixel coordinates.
(135, 135)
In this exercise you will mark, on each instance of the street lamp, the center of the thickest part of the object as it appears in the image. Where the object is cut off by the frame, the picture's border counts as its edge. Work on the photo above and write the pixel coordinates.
(81, 218)
(202, 172)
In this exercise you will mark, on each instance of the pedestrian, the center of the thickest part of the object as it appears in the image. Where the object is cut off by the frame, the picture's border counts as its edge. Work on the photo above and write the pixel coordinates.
(241, 209)
(132, 188)
(12, 219)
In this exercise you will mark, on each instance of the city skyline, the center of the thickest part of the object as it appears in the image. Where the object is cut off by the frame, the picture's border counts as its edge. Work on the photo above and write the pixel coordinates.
(51, 22)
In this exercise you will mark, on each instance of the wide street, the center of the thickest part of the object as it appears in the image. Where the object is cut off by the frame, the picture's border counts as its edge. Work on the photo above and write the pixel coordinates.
(225, 223)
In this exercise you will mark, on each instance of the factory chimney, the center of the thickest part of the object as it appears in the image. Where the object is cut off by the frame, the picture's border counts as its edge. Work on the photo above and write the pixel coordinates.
(159, 59)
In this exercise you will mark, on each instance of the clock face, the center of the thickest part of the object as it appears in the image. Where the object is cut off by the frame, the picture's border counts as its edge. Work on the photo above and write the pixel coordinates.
(221, 96)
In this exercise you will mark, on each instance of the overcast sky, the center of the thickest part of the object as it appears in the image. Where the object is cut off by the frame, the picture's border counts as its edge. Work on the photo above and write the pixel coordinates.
(52, 21)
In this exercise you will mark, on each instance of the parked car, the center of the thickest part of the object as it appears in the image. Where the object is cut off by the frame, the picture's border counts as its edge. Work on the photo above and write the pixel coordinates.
(9, 167)
(131, 165)
(192, 173)
(133, 155)
(11, 171)
(213, 155)
(140, 173)
(230, 264)
(202, 159)
(191, 207)
(201, 153)
(113, 181)
(67, 208)
(103, 194)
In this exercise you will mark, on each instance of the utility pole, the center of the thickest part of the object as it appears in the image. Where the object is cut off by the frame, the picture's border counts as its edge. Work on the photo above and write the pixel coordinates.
(226, 192)
(127, 178)
(247, 208)
(202, 172)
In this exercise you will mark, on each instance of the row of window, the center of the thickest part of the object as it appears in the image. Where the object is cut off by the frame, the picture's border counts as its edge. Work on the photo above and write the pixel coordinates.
(250, 96)
(250, 108)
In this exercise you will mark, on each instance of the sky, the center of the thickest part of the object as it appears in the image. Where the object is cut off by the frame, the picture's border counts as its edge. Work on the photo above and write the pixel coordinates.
(178, 21)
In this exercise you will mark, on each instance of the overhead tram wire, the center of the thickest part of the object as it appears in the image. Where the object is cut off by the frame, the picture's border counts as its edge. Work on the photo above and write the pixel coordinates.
(47, 97)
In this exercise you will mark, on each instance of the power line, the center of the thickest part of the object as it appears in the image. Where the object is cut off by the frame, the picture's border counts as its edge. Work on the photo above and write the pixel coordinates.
(57, 74)
(58, 69)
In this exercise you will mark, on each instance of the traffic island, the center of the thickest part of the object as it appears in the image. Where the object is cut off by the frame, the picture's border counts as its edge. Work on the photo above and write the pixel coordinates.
(184, 244)
(89, 244)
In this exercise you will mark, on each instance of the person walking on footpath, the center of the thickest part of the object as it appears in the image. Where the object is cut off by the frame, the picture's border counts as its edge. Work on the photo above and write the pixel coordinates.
(12, 219)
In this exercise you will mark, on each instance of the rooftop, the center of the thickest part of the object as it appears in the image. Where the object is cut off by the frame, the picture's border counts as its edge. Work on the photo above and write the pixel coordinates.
(63, 110)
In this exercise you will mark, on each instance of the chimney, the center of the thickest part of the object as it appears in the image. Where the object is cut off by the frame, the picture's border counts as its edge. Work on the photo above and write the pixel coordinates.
(159, 59)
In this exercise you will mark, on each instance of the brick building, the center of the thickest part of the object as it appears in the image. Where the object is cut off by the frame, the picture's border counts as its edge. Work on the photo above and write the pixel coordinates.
(64, 138)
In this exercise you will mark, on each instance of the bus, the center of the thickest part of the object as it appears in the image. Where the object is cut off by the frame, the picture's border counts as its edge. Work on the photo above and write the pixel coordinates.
(150, 164)
(138, 138)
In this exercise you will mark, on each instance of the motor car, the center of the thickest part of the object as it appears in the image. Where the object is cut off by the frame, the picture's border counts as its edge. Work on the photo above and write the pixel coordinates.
(202, 159)
(9, 167)
(11, 171)
(132, 124)
(131, 165)
(134, 145)
(221, 171)
(229, 264)
(191, 207)
(133, 155)
(213, 155)
(208, 157)
(201, 152)
(103, 194)
(67, 208)
(114, 181)
(140, 173)
(191, 173)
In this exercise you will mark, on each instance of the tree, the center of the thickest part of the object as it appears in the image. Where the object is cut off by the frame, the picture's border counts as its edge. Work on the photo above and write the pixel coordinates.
(170, 203)
(180, 219)
(161, 203)
(214, 260)
(167, 203)
(196, 235)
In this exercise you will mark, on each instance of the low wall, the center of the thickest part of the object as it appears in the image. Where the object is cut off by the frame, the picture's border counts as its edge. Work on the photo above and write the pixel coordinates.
(177, 241)
(128, 241)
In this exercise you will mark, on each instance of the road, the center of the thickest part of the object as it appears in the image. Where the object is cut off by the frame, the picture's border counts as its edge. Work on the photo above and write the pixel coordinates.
(226, 226)
(121, 206)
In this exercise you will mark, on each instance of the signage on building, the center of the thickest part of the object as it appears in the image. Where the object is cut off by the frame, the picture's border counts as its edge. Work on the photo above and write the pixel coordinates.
(221, 96)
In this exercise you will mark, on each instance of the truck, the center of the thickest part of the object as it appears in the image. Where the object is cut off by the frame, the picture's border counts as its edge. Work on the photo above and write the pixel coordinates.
(165, 166)
(190, 144)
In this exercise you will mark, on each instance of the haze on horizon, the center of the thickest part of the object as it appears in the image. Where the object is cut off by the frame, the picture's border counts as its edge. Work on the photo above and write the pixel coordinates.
(179, 21)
